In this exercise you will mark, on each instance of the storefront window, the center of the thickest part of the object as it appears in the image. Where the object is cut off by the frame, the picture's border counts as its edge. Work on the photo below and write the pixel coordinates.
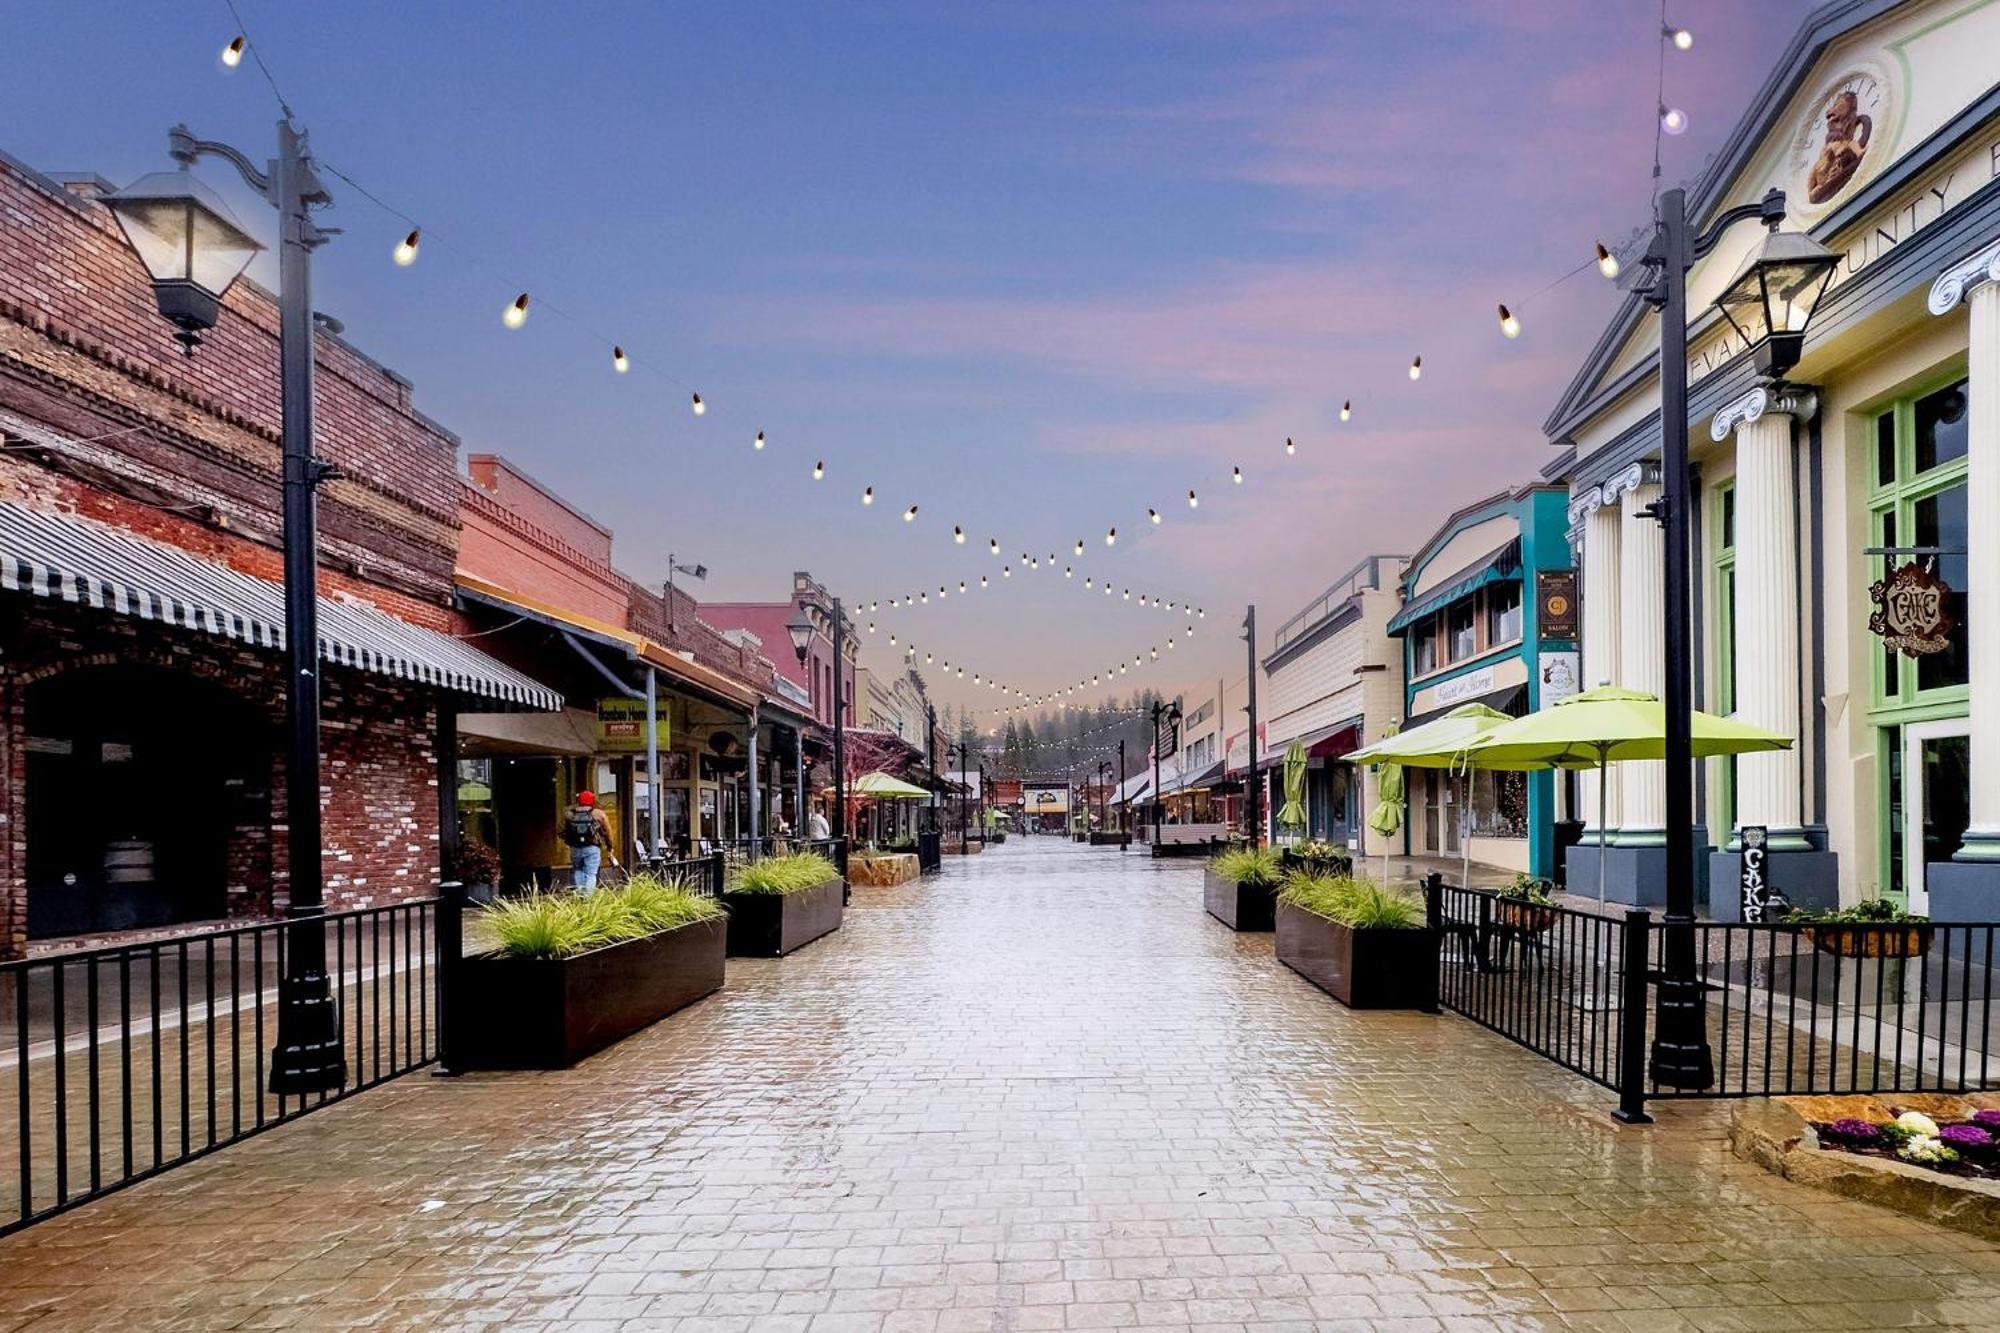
(1461, 628)
(1499, 805)
(1503, 613)
(1424, 649)
(1919, 513)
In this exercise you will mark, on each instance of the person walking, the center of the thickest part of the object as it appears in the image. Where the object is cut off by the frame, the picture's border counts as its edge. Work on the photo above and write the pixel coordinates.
(587, 833)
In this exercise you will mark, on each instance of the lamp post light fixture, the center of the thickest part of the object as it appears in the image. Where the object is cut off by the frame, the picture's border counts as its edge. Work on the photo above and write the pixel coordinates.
(802, 629)
(1769, 302)
(194, 250)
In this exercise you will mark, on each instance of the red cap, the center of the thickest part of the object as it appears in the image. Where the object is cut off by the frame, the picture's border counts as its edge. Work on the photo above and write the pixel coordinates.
(586, 798)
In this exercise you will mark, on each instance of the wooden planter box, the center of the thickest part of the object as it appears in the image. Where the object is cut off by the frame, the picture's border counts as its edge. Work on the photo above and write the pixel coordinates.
(770, 925)
(1363, 969)
(1863, 940)
(1239, 906)
(1526, 917)
(548, 1013)
(1108, 839)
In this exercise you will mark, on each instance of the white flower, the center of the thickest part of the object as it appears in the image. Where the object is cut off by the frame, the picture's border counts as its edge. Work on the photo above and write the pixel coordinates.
(1926, 1148)
(1916, 1122)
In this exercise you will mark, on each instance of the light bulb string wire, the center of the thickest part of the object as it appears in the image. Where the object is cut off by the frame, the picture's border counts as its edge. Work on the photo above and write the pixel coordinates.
(911, 648)
(257, 55)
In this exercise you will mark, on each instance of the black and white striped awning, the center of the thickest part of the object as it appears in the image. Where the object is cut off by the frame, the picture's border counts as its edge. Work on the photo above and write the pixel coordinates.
(93, 564)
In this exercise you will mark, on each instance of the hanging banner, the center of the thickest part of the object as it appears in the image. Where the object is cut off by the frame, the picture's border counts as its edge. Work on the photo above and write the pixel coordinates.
(1557, 612)
(621, 725)
(1912, 610)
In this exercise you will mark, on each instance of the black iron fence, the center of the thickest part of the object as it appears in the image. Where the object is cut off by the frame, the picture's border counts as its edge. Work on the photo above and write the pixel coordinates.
(119, 1063)
(1789, 1008)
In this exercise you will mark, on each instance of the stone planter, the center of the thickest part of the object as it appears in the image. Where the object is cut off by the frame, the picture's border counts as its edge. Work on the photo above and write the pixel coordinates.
(880, 870)
(770, 925)
(1239, 906)
(1363, 969)
(548, 1013)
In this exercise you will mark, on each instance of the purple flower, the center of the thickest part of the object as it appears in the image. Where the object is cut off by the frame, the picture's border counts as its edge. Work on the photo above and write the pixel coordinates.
(1987, 1120)
(1855, 1131)
(1965, 1136)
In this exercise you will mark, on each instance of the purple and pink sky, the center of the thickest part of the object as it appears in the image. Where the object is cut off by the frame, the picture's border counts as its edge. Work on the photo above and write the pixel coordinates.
(1034, 267)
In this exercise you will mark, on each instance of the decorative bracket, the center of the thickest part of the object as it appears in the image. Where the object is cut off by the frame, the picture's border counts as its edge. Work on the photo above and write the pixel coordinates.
(1962, 277)
(1792, 400)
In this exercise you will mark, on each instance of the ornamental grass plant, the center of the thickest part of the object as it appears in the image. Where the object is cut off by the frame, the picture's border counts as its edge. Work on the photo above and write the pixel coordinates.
(785, 874)
(560, 925)
(1353, 901)
(1256, 866)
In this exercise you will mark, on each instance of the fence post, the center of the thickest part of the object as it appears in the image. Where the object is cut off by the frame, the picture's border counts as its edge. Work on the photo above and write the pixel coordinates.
(450, 936)
(1635, 952)
(718, 873)
(1434, 901)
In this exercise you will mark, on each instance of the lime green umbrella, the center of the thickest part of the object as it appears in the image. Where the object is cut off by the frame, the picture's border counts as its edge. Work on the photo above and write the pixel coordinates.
(1440, 743)
(1293, 813)
(1602, 726)
(882, 785)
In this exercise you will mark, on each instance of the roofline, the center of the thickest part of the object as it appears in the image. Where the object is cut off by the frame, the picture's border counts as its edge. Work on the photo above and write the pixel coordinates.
(1512, 495)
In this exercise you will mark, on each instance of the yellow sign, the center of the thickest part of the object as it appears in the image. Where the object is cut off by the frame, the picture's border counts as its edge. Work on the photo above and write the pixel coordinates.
(621, 724)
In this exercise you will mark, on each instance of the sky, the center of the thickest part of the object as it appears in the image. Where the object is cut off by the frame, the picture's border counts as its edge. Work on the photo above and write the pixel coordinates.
(1032, 267)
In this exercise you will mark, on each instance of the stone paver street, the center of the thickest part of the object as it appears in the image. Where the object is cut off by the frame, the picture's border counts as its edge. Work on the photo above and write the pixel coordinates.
(1040, 1091)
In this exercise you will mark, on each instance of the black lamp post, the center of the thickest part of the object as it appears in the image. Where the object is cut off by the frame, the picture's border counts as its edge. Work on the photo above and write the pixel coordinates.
(1171, 714)
(1253, 821)
(802, 629)
(1124, 803)
(194, 251)
(1769, 302)
(1103, 795)
(930, 753)
(959, 753)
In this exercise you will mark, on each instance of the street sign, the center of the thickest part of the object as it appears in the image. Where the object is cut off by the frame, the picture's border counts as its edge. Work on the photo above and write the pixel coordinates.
(1761, 900)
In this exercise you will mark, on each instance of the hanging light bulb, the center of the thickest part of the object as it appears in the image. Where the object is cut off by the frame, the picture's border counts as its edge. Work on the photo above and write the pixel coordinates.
(619, 361)
(924, 597)
(1607, 263)
(975, 678)
(819, 469)
(1194, 501)
(1170, 643)
(1006, 571)
(877, 606)
(1190, 631)
(515, 315)
(1200, 614)
(871, 627)
(1128, 595)
(1509, 326)
(892, 640)
(982, 581)
(868, 495)
(1142, 599)
(1111, 537)
(961, 585)
(1673, 120)
(1087, 583)
(232, 54)
(1417, 368)
(758, 443)
(958, 534)
(1107, 590)
(1069, 571)
(1154, 515)
(405, 253)
(993, 545)
(1290, 448)
(910, 514)
(1347, 409)
(927, 659)
(1236, 475)
(1682, 39)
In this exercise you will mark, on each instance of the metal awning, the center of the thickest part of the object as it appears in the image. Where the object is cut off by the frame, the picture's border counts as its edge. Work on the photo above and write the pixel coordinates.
(87, 563)
(1198, 778)
(1504, 563)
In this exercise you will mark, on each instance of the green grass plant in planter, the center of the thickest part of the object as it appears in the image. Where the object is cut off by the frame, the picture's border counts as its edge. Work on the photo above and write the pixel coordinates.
(1358, 903)
(560, 925)
(1367, 946)
(785, 874)
(1259, 866)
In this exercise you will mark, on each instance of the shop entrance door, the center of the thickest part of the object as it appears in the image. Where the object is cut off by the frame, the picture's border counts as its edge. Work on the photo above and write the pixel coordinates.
(1937, 771)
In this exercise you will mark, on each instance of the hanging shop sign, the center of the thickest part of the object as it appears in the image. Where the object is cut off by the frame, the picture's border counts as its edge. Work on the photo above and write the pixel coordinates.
(1561, 676)
(1557, 614)
(1912, 610)
(1761, 900)
(621, 724)
(1045, 800)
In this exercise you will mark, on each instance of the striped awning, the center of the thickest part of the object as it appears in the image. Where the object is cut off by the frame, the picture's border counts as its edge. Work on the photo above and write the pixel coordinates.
(1504, 563)
(87, 563)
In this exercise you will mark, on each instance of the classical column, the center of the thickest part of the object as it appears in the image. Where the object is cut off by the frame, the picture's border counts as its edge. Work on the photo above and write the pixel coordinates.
(1769, 786)
(1976, 281)
(1600, 638)
(1642, 644)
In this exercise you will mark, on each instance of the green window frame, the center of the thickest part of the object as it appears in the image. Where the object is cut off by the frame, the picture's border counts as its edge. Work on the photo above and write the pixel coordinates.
(1723, 581)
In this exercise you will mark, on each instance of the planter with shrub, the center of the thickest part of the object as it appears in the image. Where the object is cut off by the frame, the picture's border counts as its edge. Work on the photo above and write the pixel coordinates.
(1240, 887)
(1318, 858)
(1526, 904)
(1876, 928)
(782, 903)
(570, 974)
(1365, 946)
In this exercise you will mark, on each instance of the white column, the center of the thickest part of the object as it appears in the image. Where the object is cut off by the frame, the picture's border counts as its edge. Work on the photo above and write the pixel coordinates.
(1769, 786)
(1601, 593)
(1642, 651)
(1977, 282)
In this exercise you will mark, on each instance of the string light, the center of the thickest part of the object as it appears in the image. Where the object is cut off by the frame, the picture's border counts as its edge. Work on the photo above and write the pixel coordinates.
(1236, 475)
(1079, 546)
(958, 534)
(1111, 537)
(1347, 409)
(1673, 120)
(1153, 514)
(1682, 39)
(910, 514)
(982, 581)
(1290, 448)
(1194, 501)
(1069, 571)
(1607, 263)
(758, 443)
(405, 253)
(1417, 368)
(993, 545)
(1509, 326)
(819, 469)
(515, 315)
(232, 54)
(619, 361)
(868, 496)
(699, 406)
(1006, 571)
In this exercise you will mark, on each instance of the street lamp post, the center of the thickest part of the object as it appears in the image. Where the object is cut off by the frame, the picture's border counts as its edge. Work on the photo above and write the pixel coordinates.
(1171, 713)
(964, 790)
(930, 753)
(1103, 796)
(194, 251)
(802, 630)
(1124, 804)
(1777, 288)
(1252, 807)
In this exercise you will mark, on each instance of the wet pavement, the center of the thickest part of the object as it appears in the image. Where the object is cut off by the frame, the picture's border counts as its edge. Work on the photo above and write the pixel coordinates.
(1041, 1090)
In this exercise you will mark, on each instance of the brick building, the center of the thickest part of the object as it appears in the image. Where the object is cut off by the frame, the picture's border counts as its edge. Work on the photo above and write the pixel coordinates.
(141, 687)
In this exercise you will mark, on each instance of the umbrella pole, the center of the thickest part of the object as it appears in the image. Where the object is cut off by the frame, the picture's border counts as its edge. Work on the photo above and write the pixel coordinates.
(1465, 829)
(1600, 826)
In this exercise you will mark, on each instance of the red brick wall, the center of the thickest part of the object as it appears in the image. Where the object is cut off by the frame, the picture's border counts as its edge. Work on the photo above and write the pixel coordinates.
(569, 528)
(503, 546)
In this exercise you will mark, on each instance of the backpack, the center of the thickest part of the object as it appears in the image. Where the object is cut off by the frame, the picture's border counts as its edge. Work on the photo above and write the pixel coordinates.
(579, 829)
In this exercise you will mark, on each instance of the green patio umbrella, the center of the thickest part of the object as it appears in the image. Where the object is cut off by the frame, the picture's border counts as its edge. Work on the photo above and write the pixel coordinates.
(1440, 743)
(1387, 816)
(882, 785)
(1603, 726)
(1292, 814)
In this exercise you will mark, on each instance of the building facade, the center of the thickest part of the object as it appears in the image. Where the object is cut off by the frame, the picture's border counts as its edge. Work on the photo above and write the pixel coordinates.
(1860, 491)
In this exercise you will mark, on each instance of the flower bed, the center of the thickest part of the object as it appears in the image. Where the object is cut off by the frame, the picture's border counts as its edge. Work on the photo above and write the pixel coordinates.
(782, 903)
(569, 975)
(1969, 1147)
(1240, 888)
(1367, 947)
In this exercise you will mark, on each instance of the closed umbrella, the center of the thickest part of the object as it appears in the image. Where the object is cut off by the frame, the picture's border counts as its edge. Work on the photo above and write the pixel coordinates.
(1293, 813)
(1441, 743)
(1387, 816)
(1603, 726)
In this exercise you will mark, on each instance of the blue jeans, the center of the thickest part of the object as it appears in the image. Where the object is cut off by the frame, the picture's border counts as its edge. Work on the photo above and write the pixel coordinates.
(583, 863)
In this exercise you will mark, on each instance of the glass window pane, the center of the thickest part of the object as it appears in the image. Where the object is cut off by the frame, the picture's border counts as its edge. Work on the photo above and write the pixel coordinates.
(1729, 519)
(1891, 659)
(1464, 638)
(1725, 628)
(1503, 613)
(1941, 427)
(1885, 449)
(1940, 522)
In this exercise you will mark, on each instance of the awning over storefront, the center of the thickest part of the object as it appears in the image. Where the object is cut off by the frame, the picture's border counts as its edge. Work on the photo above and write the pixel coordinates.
(1511, 700)
(1504, 563)
(87, 563)
(1135, 789)
(1200, 777)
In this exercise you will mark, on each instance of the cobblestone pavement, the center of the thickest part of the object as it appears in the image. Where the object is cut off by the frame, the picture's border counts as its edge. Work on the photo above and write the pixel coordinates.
(1039, 1091)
